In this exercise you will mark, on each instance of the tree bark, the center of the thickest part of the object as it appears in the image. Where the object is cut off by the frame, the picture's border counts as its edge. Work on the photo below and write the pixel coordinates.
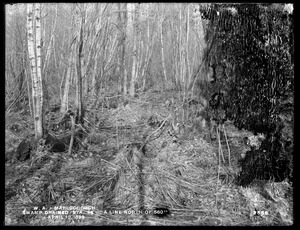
(131, 20)
(34, 50)
(65, 99)
(51, 42)
(187, 49)
(79, 102)
(68, 77)
(123, 70)
(40, 103)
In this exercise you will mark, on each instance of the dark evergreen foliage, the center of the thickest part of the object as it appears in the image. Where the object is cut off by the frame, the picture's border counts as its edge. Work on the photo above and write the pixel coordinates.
(254, 54)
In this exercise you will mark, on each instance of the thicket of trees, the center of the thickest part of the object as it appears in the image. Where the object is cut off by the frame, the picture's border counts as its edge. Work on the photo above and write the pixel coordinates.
(82, 51)
(125, 46)
(110, 48)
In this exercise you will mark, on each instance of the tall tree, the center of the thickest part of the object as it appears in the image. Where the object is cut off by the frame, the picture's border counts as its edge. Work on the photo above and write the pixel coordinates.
(34, 50)
(149, 46)
(123, 67)
(65, 97)
(162, 49)
(133, 32)
(79, 102)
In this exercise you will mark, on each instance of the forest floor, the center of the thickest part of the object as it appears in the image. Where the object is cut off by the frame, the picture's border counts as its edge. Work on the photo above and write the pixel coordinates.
(134, 166)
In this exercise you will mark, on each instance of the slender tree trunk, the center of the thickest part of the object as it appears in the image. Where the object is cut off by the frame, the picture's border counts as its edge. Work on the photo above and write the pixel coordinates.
(86, 67)
(193, 63)
(180, 45)
(60, 54)
(120, 25)
(143, 68)
(95, 46)
(104, 47)
(68, 77)
(125, 82)
(47, 56)
(149, 50)
(134, 55)
(111, 53)
(176, 47)
(29, 96)
(34, 50)
(95, 70)
(40, 104)
(31, 53)
(54, 54)
(162, 51)
(123, 67)
(147, 47)
(65, 98)
(79, 102)
(187, 49)
(51, 43)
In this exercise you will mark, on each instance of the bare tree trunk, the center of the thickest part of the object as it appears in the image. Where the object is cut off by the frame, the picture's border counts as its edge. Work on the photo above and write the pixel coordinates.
(68, 77)
(140, 56)
(54, 54)
(63, 46)
(94, 76)
(125, 82)
(85, 74)
(123, 47)
(34, 50)
(147, 55)
(187, 49)
(162, 50)
(40, 103)
(51, 43)
(103, 49)
(111, 53)
(65, 99)
(180, 45)
(120, 25)
(72, 135)
(96, 43)
(87, 65)
(79, 102)
(176, 54)
(193, 64)
(28, 88)
(131, 20)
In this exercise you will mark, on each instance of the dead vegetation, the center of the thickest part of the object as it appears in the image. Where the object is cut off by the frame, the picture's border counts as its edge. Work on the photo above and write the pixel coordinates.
(136, 158)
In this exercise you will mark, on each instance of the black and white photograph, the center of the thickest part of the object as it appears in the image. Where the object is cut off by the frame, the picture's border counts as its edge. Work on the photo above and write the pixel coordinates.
(149, 114)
